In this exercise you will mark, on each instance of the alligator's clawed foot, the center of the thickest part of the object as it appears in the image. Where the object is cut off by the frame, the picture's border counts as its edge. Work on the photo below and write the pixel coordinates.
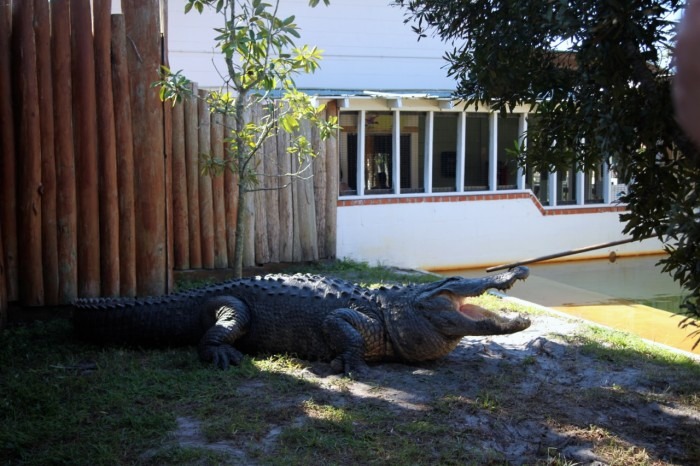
(222, 356)
(353, 368)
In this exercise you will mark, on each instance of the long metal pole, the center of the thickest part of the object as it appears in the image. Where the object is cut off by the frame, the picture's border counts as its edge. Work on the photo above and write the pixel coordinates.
(561, 254)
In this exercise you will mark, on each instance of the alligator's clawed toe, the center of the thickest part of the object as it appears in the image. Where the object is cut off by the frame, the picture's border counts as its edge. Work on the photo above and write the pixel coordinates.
(350, 367)
(223, 356)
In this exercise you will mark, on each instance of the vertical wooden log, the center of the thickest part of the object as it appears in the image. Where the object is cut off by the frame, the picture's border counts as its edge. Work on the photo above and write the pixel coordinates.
(31, 281)
(8, 167)
(7, 149)
(206, 207)
(262, 250)
(168, 135)
(304, 203)
(286, 210)
(85, 126)
(295, 223)
(319, 182)
(272, 183)
(332, 186)
(181, 246)
(231, 197)
(144, 57)
(217, 184)
(66, 202)
(248, 206)
(192, 162)
(107, 150)
(125, 157)
(49, 238)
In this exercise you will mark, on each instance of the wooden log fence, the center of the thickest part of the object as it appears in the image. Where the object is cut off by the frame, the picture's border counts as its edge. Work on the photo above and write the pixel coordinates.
(101, 187)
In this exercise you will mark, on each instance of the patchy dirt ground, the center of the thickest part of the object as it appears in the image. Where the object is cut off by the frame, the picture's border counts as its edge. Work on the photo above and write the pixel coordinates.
(536, 397)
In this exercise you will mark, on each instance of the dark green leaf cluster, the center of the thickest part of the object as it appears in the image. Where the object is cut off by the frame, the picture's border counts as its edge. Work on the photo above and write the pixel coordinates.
(597, 74)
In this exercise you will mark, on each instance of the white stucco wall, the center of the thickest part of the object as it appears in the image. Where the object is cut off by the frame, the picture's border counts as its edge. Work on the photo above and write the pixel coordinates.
(453, 235)
(365, 42)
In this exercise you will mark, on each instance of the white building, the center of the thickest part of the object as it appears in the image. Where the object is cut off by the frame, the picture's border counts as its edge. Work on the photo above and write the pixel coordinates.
(424, 182)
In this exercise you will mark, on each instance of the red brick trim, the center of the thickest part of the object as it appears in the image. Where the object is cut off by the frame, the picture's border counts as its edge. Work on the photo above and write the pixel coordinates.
(561, 210)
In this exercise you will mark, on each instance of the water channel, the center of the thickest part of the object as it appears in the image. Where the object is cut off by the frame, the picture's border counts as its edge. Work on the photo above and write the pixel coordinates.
(631, 294)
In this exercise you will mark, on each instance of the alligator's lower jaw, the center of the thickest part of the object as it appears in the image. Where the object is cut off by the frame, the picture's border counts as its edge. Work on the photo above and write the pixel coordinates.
(473, 312)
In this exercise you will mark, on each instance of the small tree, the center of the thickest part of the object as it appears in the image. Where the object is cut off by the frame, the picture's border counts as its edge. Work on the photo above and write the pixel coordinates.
(261, 61)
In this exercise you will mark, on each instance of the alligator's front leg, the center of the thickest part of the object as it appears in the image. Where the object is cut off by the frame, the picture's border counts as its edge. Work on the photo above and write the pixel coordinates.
(227, 320)
(353, 336)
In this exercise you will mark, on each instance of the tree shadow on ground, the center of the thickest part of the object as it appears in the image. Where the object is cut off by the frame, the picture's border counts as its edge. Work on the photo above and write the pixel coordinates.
(527, 398)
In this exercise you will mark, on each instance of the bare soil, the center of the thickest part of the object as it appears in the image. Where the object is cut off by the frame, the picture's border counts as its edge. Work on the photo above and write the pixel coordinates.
(541, 396)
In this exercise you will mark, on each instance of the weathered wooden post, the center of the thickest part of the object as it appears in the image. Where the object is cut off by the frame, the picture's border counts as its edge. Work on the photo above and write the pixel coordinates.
(262, 250)
(217, 185)
(320, 192)
(125, 157)
(144, 59)
(49, 238)
(286, 209)
(8, 171)
(272, 183)
(181, 245)
(206, 208)
(107, 150)
(31, 281)
(305, 207)
(231, 200)
(192, 165)
(85, 126)
(66, 202)
(332, 187)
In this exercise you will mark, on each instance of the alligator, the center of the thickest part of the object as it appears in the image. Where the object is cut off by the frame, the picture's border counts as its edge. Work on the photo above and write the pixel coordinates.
(309, 316)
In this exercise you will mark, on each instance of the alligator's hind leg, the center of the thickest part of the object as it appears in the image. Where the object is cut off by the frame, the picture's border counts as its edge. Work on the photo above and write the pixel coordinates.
(349, 334)
(227, 319)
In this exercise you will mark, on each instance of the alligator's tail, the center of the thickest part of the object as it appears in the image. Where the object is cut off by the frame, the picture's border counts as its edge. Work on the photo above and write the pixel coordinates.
(158, 321)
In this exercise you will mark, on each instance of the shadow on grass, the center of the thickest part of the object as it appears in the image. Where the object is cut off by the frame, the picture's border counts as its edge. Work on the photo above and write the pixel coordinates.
(539, 400)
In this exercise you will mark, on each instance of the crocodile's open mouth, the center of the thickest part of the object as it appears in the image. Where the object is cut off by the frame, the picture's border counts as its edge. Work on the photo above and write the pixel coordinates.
(472, 311)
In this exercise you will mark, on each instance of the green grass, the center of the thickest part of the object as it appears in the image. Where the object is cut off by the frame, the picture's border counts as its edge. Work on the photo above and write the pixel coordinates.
(66, 402)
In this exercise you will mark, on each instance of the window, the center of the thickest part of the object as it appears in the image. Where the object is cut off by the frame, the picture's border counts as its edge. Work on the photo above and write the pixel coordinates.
(379, 159)
(348, 153)
(390, 151)
(508, 136)
(412, 144)
(476, 149)
(445, 127)
(594, 185)
(538, 183)
(566, 186)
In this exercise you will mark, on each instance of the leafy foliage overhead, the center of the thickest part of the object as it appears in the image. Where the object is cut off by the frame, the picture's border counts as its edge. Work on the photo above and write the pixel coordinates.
(598, 74)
